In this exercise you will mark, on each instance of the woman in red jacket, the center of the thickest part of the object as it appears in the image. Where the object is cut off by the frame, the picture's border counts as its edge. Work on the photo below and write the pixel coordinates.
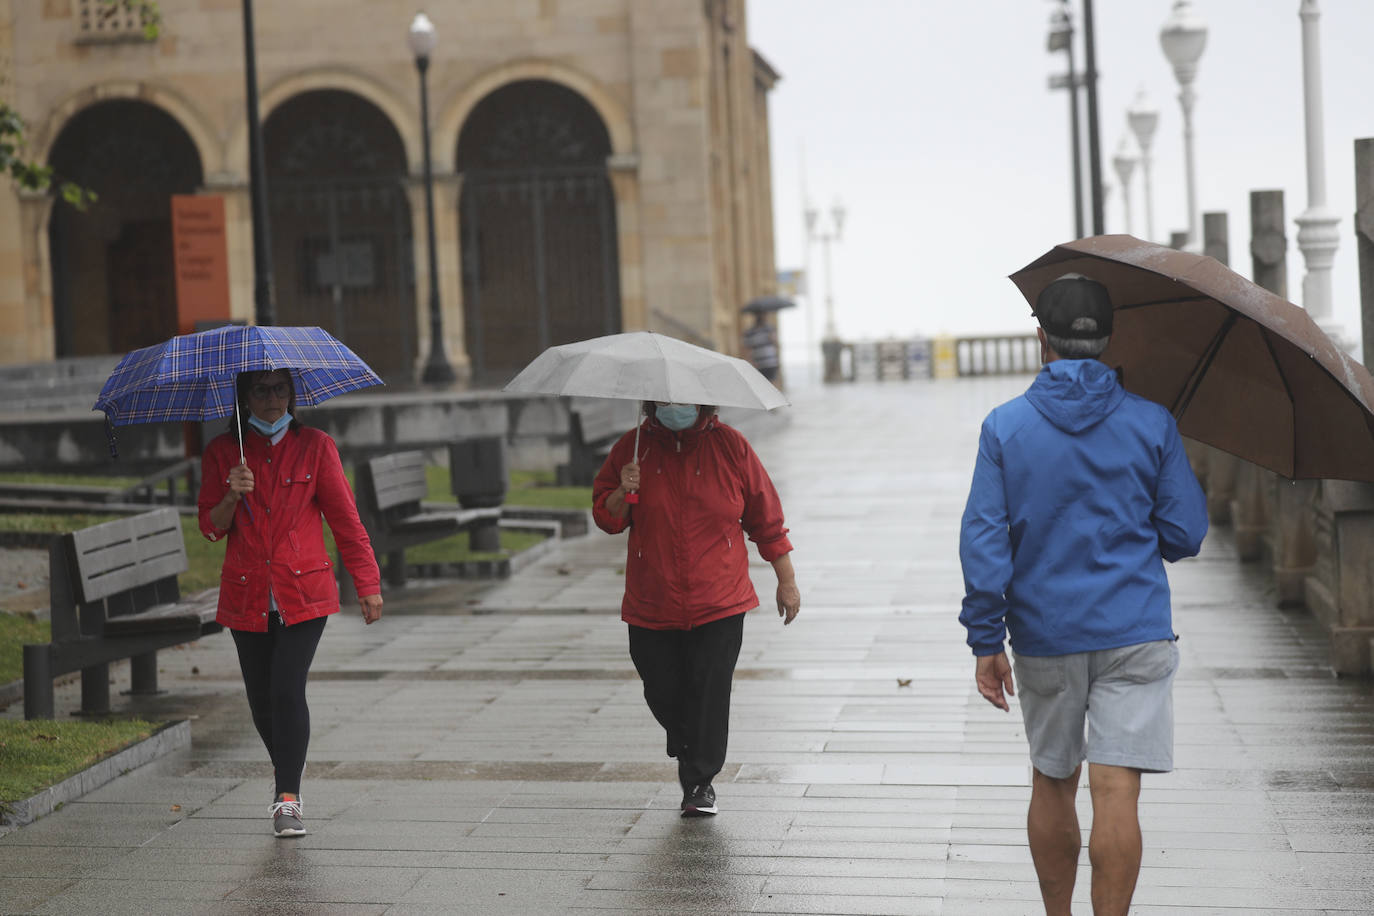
(277, 587)
(687, 584)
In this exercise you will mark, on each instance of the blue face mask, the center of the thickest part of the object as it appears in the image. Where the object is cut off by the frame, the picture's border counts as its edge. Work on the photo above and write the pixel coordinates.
(676, 417)
(269, 429)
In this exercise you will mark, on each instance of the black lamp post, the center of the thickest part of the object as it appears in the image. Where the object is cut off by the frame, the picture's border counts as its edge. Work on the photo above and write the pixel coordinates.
(437, 370)
(264, 309)
(1060, 38)
(1094, 145)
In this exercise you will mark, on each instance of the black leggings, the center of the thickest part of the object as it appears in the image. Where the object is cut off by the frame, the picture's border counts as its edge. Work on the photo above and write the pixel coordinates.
(687, 676)
(275, 665)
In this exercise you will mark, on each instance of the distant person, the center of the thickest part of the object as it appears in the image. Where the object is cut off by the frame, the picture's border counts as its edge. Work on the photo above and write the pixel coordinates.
(687, 585)
(1080, 492)
(762, 341)
(277, 587)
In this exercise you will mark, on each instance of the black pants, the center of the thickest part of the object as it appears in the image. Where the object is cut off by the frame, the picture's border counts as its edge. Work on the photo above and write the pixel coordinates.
(687, 676)
(275, 665)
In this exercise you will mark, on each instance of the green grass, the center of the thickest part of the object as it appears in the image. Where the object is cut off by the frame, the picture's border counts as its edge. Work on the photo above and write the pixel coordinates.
(17, 630)
(455, 549)
(527, 488)
(42, 753)
(74, 480)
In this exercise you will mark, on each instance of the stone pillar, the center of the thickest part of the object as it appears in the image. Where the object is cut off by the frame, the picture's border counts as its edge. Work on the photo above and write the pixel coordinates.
(1364, 238)
(1288, 539)
(1340, 590)
(1178, 239)
(238, 239)
(1222, 468)
(35, 297)
(447, 190)
(624, 173)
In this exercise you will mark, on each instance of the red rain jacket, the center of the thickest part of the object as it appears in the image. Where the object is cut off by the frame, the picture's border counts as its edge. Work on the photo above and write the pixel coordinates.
(276, 538)
(702, 490)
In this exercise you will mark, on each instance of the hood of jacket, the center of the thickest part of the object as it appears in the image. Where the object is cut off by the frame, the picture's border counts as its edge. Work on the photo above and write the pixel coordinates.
(1076, 394)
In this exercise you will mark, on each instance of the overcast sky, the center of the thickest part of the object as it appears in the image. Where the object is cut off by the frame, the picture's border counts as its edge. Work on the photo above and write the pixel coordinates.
(932, 123)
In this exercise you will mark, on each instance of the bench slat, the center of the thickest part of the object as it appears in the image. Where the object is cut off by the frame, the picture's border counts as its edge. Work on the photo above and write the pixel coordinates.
(126, 553)
(398, 478)
(164, 617)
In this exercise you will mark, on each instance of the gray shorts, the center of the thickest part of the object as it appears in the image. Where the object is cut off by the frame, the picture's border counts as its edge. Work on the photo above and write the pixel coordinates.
(1125, 697)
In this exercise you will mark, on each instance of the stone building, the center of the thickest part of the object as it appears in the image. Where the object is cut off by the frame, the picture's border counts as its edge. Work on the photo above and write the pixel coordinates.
(600, 165)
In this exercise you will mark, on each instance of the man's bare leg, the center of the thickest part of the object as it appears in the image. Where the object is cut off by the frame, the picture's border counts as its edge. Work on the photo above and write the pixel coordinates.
(1114, 845)
(1055, 841)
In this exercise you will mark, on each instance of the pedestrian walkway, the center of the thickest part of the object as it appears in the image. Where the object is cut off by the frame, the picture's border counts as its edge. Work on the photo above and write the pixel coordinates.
(485, 748)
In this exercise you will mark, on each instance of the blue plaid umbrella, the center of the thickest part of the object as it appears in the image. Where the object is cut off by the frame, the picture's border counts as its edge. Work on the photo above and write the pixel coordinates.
(192, 377)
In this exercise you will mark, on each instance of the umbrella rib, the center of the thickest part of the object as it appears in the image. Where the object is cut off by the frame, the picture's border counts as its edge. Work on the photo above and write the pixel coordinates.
(1288, 390)
(1170, 301)
(1185, 397)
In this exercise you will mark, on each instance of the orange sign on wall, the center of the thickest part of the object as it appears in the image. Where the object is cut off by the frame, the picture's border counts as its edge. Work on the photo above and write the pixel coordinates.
(201, 250)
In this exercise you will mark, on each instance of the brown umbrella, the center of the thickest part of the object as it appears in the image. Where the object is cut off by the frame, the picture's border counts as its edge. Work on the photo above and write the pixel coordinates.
(1239, 367)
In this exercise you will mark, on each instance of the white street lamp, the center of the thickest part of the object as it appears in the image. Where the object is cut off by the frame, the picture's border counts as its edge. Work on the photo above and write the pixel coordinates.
(1318, 236)
(825, 234)
(1143, 118)
(1183, 37)
(1124, 163)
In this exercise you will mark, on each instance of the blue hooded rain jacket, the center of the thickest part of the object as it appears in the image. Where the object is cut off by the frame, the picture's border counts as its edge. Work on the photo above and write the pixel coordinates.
(1080, 492)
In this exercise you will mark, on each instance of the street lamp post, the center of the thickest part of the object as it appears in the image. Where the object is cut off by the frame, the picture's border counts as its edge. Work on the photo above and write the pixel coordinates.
(1183, 38)
(264, 309)
(1094, 144)
(1124, 164)
(437, 369)
(1060, 38)
(1143, 118)
(832, 232)
(1318, 236)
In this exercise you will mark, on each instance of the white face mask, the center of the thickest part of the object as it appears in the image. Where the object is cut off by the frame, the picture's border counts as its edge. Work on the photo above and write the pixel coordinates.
(676, 417)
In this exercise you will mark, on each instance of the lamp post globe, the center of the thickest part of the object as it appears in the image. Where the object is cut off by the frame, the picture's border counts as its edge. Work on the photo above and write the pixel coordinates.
(1124, 163)
(1183, 38)
(1143, 118)
(437, 371)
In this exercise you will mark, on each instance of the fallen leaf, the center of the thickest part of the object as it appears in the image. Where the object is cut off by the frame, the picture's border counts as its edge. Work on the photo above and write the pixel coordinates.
(21, 585)
(47, 737)
(195, 669)
(176, 807)
(903, 682)
(565, 570)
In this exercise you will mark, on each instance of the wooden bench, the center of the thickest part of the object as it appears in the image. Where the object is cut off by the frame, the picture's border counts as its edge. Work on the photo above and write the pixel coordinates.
(594, 425)
(114, 594)
(391, 492)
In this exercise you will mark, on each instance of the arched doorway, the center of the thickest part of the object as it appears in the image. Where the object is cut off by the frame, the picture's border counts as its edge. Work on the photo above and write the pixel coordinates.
(113, 280)
(340, 223)
(540, 265)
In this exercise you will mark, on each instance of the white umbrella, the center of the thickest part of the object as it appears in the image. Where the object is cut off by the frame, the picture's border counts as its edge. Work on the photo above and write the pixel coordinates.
(644, 366)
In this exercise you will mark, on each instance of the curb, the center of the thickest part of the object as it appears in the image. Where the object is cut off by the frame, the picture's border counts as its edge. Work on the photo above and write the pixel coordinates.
(170, 738)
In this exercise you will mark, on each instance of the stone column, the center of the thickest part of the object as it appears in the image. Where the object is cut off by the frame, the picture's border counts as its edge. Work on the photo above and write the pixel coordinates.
(447, 190)
(1178, 239)
(1340, 590)
(1288, 540)
(624, 174)
(238, 238)
(1222, 468)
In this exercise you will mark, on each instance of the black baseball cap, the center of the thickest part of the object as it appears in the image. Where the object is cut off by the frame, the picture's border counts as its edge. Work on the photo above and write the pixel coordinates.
(1075, 307)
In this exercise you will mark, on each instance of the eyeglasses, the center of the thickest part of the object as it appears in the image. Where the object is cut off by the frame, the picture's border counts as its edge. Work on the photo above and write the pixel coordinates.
(263, 392)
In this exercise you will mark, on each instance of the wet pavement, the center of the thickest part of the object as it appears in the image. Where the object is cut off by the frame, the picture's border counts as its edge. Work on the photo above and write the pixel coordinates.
(485, 749)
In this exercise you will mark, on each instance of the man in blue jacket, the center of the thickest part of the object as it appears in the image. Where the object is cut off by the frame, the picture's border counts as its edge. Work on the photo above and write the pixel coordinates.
(1080, 493)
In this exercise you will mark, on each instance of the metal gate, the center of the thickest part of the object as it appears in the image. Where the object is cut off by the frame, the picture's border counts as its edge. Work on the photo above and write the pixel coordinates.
(540, 266)
(343, 260)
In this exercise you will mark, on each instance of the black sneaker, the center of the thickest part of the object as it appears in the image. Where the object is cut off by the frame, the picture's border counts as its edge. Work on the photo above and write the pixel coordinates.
(700, 801)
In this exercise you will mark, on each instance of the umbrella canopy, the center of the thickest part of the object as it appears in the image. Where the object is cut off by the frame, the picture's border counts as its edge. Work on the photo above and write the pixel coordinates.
(644, 366)
(192, 377)
(1239, 367)
(768, 304)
